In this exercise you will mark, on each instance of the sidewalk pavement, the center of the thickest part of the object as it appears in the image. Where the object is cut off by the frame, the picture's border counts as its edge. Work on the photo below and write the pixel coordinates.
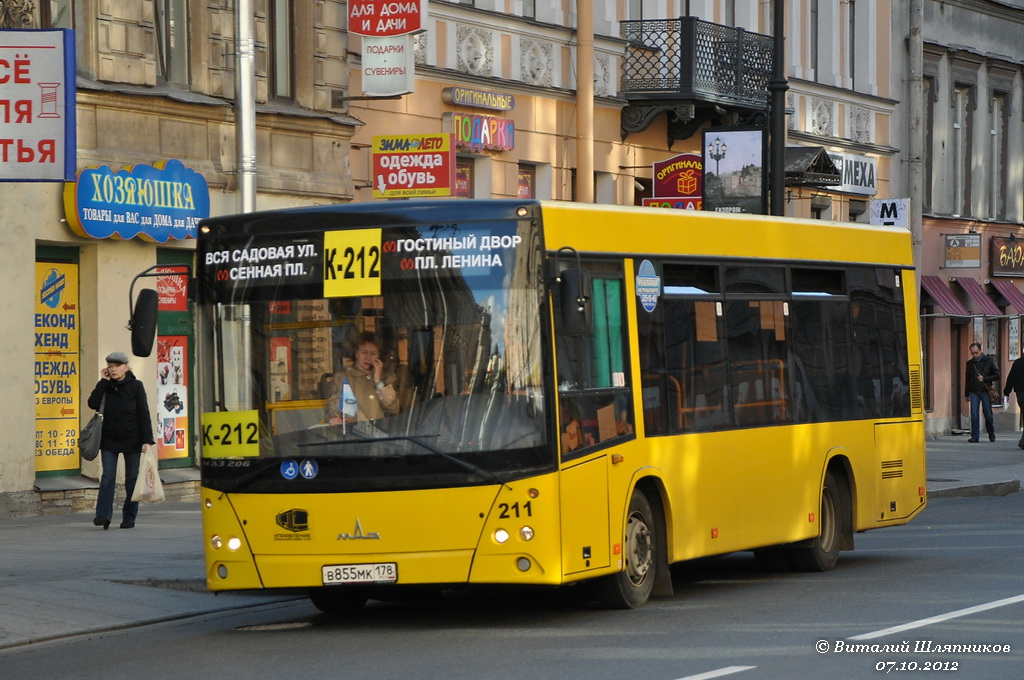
(60, 576)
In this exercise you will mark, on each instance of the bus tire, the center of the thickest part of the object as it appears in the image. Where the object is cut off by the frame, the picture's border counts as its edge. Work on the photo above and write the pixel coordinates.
(631, 587)
(823, 552)
(337, 599)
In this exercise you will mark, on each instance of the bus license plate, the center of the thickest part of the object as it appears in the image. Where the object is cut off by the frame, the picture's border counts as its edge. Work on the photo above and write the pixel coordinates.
(375, 572)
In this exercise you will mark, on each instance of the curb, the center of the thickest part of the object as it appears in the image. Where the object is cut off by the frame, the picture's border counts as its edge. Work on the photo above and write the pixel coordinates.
(991, 489)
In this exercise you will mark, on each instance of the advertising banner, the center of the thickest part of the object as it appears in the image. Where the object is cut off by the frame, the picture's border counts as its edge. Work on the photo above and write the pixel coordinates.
(383, 18)
(172, 397)
(157, 202)
(389, 66)
(734, 170)
(37, 105)
(413, 165)
(681, 176)
(59, 414)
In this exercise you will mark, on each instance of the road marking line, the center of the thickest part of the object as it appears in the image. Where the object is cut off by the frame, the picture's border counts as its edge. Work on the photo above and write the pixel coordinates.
(940, 618)
(719, 673)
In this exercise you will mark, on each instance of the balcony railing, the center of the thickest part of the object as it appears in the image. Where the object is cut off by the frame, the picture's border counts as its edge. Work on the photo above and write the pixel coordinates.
(694, 60)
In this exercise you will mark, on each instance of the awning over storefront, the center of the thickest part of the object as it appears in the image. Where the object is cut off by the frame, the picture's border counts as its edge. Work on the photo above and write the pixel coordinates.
(810, 166)
(978, 296)
(943, 296)
(1011, 292)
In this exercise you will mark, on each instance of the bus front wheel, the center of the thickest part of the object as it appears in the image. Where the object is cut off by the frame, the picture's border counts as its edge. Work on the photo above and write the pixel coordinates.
(823, 552)
(631, 587)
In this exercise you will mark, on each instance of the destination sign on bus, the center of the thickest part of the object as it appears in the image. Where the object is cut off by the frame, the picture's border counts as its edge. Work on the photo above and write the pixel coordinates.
(349, 263)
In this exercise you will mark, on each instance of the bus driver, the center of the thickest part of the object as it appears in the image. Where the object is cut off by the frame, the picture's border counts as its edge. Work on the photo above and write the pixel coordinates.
(371, 394)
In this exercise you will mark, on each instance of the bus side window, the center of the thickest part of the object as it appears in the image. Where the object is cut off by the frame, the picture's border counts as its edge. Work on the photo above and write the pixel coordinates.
(758, 372)
(594, 400)
(695, 365)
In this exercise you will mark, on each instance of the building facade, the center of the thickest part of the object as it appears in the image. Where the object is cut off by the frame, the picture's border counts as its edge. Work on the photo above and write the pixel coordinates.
(961, 114)
(540, 106)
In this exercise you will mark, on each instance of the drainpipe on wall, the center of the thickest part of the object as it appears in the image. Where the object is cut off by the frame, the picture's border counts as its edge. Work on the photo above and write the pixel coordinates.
(915, 132)
(245, 106)
(585, 101)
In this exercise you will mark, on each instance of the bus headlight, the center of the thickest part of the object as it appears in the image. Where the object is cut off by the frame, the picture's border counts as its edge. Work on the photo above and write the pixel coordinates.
(234, 543)
(526, 533)
(500, 535)
(216, 542)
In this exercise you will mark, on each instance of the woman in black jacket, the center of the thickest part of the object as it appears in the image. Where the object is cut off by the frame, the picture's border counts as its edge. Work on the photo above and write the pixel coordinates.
(127, 429)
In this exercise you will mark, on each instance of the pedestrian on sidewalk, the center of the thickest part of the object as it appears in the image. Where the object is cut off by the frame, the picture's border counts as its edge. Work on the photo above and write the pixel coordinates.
(1015, 383)
(127, 430)
(981, 373)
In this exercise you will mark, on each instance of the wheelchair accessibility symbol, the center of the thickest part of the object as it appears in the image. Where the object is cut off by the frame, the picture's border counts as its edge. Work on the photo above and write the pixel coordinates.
(289, 469)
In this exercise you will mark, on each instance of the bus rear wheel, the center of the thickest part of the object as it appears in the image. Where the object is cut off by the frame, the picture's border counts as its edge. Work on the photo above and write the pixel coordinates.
(337, 599)
(823, 552)
(631, 587)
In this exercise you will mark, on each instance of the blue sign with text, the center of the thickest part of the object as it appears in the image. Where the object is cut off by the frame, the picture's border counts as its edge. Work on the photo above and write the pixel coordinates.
(157, 202)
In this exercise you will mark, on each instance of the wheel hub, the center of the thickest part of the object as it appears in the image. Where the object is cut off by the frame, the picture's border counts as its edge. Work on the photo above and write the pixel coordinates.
(639, 551)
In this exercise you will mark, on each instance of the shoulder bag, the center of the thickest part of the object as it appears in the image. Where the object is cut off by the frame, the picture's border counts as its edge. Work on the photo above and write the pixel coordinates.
(994, 395)
(89, 438)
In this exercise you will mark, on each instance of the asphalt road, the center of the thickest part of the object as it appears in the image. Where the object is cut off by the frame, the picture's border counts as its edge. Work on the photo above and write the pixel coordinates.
(952, 580)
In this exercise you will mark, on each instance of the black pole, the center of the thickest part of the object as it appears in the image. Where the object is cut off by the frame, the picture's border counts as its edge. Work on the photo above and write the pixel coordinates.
(778, 87)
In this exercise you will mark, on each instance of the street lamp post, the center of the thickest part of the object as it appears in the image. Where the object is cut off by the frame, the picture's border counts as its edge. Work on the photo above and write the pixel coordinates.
(778, 87)
(716, 152)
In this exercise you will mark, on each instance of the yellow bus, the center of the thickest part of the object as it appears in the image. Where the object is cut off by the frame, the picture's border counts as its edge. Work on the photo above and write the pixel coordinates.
(437, 394)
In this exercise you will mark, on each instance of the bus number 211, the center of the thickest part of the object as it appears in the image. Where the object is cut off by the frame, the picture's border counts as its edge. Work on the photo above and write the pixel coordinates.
(515, 510)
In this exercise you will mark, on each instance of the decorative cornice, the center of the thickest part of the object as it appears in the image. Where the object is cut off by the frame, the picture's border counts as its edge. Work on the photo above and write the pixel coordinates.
(17, 14)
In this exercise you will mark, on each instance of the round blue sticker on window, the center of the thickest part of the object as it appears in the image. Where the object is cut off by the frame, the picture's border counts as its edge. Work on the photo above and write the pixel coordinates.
(648, 285)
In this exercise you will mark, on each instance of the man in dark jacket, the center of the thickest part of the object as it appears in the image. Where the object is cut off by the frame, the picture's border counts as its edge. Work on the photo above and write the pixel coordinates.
(980, 374)
(1015, 383)
(127, 429)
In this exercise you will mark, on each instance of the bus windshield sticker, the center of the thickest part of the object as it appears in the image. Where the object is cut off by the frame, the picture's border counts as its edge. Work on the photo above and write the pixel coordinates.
(352, 263)
(230, 434)
(648, 285)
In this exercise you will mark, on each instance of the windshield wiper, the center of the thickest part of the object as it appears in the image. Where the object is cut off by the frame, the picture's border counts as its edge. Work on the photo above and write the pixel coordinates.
(464, 464)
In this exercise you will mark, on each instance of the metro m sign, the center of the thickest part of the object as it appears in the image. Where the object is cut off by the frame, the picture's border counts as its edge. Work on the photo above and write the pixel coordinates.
(385, 18)
(890, 212)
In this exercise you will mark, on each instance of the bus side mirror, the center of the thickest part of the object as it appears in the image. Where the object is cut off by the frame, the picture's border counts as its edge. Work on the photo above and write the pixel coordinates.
(575, 292)
(143, 323)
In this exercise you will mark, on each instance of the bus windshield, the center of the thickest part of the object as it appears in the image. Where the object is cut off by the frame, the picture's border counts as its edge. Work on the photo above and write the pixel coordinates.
(390, 356)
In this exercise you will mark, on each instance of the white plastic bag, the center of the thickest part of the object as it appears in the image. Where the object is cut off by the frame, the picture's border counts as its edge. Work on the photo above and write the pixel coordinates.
(148, 487)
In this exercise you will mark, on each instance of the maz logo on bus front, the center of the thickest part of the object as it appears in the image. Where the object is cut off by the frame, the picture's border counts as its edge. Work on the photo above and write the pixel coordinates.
(358, 534)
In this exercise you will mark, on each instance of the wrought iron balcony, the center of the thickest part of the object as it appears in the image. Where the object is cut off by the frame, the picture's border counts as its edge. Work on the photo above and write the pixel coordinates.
(693, 68)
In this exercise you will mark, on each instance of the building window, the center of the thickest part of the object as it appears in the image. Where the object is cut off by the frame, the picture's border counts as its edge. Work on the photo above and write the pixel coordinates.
(997, 157)
(281, 49)
(464, 179)
(813, 38)
(56, 14)
(851, 42)
(927, 322)
(527, 181)
(634, 10)
(729, 12)
(172, 41)
(961, 149)
(530, 9)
